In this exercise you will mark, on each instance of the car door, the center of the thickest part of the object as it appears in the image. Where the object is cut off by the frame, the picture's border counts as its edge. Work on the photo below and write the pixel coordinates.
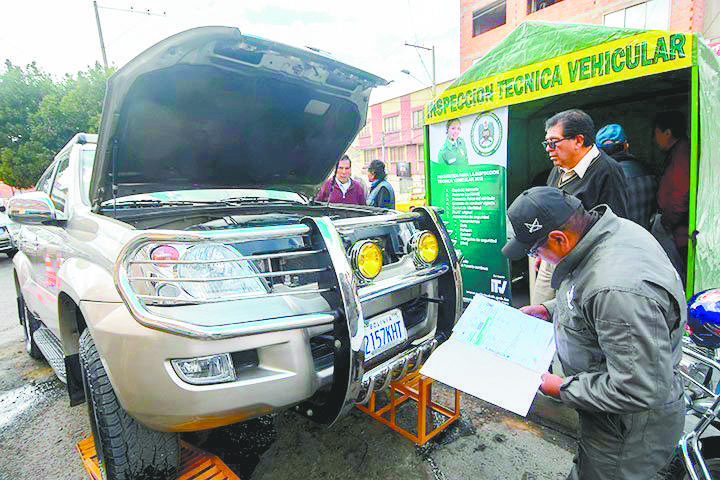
(52, 240)
(29, 242)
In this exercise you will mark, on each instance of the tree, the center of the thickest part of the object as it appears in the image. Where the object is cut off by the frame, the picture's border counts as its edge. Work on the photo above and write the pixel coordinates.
(38, 116)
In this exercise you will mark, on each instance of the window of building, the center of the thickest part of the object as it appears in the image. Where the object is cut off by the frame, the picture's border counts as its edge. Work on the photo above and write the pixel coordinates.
(489, 17)
(365, 132)
(391, 124)
(418, 119)
(535, 5)
(394, 155)
(653, 14)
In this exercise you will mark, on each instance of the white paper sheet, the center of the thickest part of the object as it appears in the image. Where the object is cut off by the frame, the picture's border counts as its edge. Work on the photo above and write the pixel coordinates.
(495, 353)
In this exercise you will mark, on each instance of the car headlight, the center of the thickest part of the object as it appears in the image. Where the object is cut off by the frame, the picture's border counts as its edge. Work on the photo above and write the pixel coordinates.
(425, 246)
(366, 259)
(183, 273)
(217, 275)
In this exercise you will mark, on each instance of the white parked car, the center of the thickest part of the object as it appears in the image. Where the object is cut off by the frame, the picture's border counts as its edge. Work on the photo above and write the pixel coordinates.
(7, 232)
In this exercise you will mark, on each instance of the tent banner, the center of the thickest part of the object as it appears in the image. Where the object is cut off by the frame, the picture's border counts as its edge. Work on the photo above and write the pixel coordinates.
(467, 172)
(630, 57)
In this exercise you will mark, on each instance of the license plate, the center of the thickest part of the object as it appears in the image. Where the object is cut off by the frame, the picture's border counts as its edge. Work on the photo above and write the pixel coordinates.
(383, 332)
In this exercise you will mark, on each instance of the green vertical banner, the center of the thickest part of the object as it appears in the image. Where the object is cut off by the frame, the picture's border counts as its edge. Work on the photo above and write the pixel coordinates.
(467, 173)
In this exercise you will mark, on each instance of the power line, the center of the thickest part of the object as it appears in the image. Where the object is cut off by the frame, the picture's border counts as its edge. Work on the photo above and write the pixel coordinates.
(412, 24)
(132, 10)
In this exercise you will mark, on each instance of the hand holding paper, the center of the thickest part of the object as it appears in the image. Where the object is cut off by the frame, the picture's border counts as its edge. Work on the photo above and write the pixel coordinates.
(537, 311)
(495, 353)
(551, 384)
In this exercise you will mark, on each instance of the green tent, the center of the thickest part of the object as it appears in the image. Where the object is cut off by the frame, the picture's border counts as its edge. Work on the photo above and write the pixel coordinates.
(617, 75)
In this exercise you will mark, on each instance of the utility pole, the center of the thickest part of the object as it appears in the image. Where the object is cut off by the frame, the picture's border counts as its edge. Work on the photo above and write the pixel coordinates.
(431, 49)
(102, 43)
(382, 149)
(130, 10)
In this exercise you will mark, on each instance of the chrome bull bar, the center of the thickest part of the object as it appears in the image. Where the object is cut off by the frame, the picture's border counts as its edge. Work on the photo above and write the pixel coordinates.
(359, 384)
(380, 377)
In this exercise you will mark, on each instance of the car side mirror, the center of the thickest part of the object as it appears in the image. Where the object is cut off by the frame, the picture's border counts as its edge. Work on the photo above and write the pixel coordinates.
(31, 208)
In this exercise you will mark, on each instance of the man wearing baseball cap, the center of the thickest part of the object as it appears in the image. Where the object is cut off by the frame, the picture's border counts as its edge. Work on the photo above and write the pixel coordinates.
(641, 185)
(618, 316)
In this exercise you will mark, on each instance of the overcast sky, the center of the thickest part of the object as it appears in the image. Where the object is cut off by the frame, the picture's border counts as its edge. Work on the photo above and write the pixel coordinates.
(62, 36)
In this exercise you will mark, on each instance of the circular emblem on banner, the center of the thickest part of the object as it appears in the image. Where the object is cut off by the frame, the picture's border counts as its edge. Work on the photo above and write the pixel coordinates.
(486, 134)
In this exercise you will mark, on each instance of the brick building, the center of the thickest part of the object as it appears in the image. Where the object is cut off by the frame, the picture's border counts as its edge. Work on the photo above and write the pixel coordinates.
(483, 23)
(393, 133)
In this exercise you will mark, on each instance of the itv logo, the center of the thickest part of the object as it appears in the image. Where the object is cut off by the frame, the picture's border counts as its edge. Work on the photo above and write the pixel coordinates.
(498, 286)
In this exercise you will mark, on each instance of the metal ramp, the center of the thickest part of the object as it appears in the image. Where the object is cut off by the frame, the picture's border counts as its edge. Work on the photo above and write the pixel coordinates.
(195, 464)
(416, 388)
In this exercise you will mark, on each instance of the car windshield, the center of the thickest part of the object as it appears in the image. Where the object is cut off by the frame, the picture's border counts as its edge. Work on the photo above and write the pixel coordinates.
(207, 196)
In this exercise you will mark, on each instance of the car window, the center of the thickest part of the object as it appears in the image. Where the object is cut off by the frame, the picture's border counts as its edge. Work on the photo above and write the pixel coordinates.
(58, 193)
(87, 159)
(43, 185)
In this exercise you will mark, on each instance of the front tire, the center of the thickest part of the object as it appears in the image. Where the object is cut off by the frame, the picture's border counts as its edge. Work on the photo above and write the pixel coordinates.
(126, 449)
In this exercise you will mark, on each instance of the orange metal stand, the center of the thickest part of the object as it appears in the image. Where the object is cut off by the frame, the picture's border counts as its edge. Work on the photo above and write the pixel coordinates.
(418, 388)
(195, 464)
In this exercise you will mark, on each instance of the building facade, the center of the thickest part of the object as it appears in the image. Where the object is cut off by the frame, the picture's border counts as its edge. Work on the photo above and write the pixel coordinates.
(393, 133)
(484, 23)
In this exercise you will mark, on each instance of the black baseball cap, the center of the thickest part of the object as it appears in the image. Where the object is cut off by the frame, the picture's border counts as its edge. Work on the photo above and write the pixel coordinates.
(534, 214)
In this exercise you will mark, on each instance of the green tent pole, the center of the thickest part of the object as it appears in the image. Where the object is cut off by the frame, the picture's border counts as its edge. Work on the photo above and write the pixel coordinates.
(426, 154)
(694, 166)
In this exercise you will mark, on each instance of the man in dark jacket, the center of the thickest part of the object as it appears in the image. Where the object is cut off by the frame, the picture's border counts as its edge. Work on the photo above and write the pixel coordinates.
(618, 317)
(381, 192)
(641, 184)
(582, 170)
(341, 187)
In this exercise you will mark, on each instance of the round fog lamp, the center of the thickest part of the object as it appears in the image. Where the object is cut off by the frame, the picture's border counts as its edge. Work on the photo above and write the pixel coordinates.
(366, 259)
(426, 247)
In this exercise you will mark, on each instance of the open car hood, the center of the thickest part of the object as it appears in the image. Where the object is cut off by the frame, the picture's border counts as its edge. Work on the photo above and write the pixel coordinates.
(212, 108)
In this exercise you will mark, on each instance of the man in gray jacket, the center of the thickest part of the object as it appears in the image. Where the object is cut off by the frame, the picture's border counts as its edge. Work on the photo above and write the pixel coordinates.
(618, 316)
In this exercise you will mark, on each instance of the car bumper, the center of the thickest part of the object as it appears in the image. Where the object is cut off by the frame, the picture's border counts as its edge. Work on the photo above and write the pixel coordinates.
(151, 391)
(287, 370)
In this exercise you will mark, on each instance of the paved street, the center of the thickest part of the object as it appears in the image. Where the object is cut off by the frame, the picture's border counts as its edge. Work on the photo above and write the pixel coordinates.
(38, 431)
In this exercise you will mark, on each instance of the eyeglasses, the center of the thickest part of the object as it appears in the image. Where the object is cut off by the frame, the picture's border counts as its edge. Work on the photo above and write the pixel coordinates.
(534, 249)
(552, 143)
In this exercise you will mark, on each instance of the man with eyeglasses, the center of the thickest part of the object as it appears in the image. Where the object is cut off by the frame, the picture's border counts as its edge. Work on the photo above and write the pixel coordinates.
(582, 170)
(618, 319)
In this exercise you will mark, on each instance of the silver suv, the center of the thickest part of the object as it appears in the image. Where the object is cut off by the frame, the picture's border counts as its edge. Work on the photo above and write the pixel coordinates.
(176, 275)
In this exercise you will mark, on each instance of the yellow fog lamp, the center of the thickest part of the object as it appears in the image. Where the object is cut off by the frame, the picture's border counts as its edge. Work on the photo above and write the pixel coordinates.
(366, 259)
(425, 245)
